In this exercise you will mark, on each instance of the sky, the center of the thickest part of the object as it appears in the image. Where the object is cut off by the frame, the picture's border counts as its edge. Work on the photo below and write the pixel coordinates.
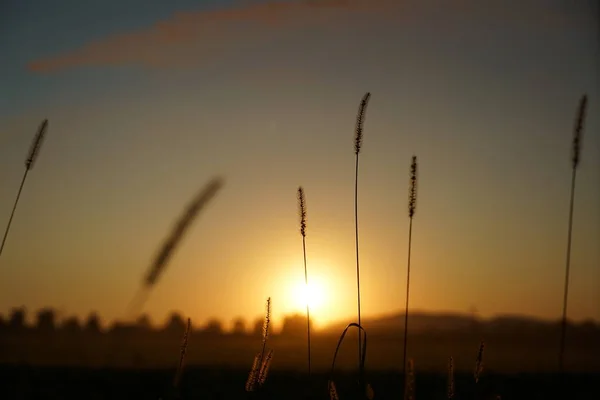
(149, 100)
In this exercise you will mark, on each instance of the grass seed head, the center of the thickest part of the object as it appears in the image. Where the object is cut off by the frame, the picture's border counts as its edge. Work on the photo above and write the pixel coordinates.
(36, 145)
(333, 394)
(451, 378)
(577, 136)
(360, 121)
(412, 191)
(479, 362)
(302, 210)
(267, 321)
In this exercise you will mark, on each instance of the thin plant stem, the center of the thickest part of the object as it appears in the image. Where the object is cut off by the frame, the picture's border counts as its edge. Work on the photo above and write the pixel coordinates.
(34, 152)
(363, 355)
(307, 306)
(360, 120)
(412, 206)
(407, 297)
(12, 214)
(563, 329)
(302, 213)
(575, 155)
(357, 257)
(266, 327)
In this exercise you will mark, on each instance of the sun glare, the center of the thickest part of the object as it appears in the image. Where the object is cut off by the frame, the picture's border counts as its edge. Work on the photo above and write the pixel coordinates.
(313, 295)
(320, 295)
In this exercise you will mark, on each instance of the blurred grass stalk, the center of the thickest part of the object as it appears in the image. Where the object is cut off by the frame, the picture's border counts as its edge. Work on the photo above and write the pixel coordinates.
(158, 267)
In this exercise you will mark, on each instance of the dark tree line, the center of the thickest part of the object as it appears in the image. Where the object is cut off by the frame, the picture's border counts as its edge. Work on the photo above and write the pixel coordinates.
(46, 321)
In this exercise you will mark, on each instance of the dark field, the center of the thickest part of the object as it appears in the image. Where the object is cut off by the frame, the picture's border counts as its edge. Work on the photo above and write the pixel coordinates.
(21, 382)
(520, 362)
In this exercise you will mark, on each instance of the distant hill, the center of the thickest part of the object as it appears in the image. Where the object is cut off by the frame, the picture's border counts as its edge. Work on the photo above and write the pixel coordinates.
(420, 321)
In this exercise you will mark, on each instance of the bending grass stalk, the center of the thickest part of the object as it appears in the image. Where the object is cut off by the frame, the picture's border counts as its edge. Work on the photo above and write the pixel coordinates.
(361, 366)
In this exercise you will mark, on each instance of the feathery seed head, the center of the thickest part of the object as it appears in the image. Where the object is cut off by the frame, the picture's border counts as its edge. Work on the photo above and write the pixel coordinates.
(253, 375)
(479, 362)
(184, 346)
(264, 368)
(267, 320)
(369, 392)
(579, 130)
(302, 210)
(333, 394)
(412, 191)
(360, 120)
(36, 144)
(451, 378)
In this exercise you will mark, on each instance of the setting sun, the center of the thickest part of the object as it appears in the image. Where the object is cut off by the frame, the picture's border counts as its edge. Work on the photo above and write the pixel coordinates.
(319, 296)
(313, 295)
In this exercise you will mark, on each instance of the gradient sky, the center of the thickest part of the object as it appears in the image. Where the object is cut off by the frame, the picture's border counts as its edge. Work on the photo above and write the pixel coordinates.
(148, 100)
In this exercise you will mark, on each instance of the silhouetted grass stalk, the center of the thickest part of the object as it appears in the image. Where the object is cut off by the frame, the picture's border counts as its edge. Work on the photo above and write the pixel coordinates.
(264, 368)
(412, 207)
(302, 212)
(333, 394)
(576, 150)
(360, 120)
(369, 392)
(261, 364)
(266, 328)
(450, 391)
(184, 346)
(361, 364)
(409, 381)
(479, 362)
(32, 156)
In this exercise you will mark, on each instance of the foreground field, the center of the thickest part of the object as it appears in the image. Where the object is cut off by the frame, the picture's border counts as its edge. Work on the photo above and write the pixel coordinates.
(506, 352)
(22, 382)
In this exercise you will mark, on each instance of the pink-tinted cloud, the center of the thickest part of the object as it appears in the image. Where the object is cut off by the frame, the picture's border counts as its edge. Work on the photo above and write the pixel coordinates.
(188, 38)
(168, 42)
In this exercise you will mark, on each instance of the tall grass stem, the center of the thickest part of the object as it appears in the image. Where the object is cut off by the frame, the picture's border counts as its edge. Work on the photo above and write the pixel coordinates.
(575, 156)
(412, 207)
(302, 213)
(360, 120)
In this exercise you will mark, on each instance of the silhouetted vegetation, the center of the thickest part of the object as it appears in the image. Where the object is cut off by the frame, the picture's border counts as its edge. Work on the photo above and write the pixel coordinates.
(516, 344)
(32, 155)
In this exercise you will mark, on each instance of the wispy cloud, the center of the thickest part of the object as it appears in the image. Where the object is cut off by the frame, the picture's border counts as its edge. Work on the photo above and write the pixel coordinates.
(191, 37)
(168, 42)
